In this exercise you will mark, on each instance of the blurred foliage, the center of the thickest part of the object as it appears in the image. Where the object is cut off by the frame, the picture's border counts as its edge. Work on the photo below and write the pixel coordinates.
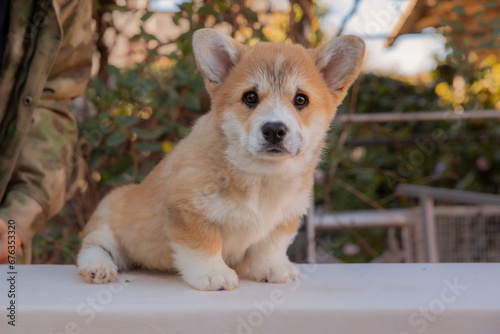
(363, 172)
(139, 112)
(471, 26)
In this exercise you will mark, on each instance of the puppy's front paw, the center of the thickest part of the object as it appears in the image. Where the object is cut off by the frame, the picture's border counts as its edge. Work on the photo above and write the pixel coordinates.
(204, 272)
(274, 271)
(99, 273)
(96, 266)
(222, 279)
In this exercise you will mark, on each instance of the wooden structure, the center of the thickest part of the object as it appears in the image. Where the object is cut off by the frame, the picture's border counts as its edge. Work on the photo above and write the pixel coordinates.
(429, 233)
(427, 197)
(470, 25)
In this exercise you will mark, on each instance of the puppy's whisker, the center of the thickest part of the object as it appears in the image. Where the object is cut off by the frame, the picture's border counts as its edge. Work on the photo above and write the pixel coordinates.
(237, 151)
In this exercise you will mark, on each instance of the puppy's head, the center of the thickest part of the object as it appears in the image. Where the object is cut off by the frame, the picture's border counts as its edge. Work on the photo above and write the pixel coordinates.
(275, 101)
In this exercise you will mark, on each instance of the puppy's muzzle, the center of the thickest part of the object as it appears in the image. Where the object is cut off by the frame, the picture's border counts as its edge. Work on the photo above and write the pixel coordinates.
(274, 133)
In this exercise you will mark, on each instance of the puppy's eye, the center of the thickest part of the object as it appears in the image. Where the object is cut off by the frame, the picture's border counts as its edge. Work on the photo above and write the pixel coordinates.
(251, 98)
(300, 101)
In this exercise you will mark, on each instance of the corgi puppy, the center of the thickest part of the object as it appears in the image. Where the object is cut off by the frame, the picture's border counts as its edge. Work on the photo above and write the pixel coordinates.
(229, 198)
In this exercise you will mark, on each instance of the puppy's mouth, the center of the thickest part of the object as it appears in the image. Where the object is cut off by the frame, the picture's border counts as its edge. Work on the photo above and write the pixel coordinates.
(275, 149)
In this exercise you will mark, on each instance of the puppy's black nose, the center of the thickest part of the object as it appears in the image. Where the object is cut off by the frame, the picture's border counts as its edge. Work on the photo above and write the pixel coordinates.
(274, 132)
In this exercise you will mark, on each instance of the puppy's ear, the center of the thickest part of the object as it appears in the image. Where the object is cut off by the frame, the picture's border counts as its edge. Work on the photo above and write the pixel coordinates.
(215, 55)
(339, 61)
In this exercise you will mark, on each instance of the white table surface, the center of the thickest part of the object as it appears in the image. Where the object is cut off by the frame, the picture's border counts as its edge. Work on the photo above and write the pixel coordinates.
(337, 298)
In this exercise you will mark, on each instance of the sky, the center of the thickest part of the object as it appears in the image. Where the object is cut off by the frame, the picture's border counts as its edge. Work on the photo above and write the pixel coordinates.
(410, 54)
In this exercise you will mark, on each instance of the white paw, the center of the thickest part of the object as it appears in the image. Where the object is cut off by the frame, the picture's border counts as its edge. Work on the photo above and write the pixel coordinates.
(96, 266)
(274, 271)
(204, 272)
(217, 280)
(99, 273)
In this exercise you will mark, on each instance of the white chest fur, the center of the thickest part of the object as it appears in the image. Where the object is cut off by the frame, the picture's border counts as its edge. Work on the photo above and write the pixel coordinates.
(249, 219)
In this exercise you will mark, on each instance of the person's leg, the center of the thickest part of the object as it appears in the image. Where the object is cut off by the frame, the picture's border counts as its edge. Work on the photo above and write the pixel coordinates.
(37, 187)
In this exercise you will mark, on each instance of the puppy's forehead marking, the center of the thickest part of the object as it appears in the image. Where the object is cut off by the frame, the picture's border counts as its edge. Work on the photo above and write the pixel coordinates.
(278, 64)
(278, 74)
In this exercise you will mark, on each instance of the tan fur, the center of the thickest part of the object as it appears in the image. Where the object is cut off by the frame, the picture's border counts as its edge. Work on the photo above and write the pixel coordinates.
(290, 227)
(175, 203)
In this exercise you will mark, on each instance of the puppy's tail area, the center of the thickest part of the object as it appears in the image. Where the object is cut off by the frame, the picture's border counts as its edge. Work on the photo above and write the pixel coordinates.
(100, 257)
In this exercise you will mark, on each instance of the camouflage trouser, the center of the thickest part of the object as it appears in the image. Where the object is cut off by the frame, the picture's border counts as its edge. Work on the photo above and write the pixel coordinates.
(37, 187)
(46, 65)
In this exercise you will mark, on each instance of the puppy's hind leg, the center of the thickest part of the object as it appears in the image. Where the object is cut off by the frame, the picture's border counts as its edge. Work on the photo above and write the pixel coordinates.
(100, 257)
